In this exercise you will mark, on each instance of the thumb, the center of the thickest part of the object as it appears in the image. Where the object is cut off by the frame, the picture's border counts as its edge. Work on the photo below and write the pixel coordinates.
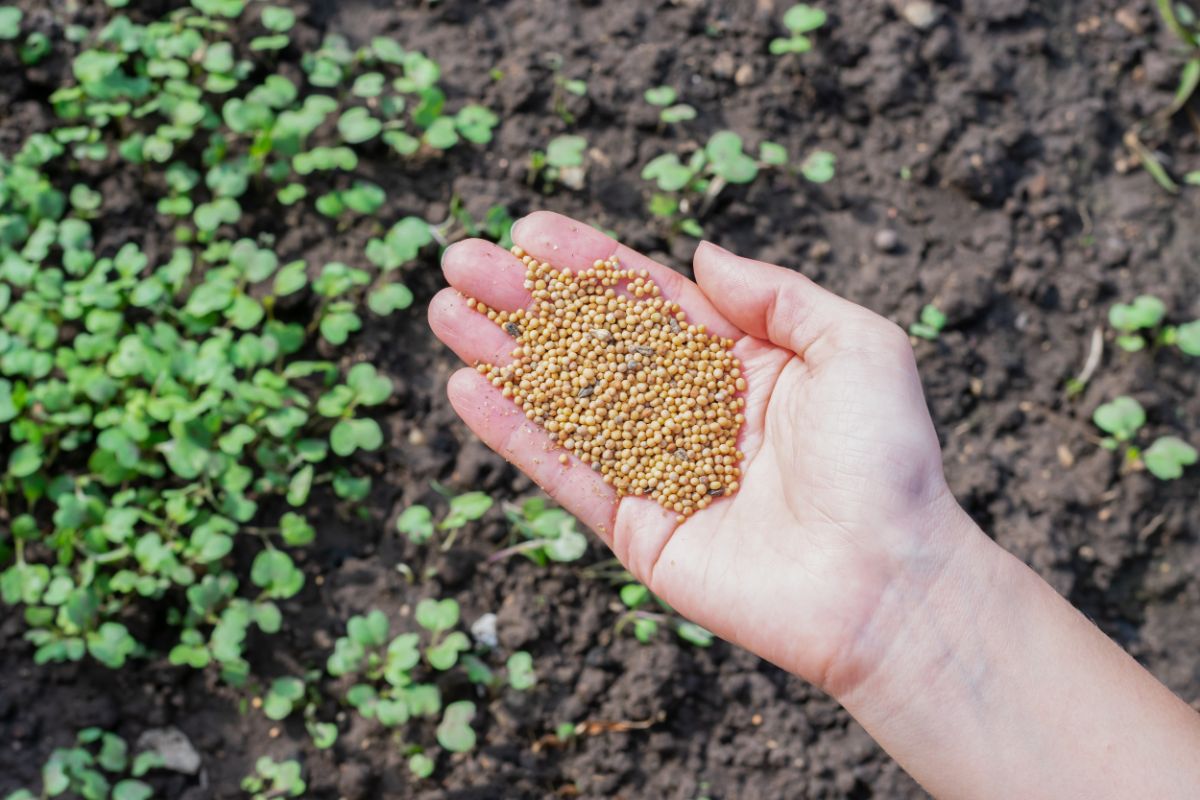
(779, 305)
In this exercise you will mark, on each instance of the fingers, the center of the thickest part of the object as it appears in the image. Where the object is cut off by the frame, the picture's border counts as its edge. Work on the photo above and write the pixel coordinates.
(566, 243)
(488, 273)
(782, 306)
(472, 336)
(503, 427)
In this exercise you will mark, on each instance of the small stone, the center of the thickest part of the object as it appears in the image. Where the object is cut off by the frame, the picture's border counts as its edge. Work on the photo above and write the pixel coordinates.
(921, 14)
(483, 630)
(886, 240)
(744, 76)
(173, 747)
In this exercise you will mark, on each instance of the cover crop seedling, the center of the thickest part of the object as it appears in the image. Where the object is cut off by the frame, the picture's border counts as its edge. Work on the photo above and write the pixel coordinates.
(549, 534)
(165, 405)
(930, 325)
(1123, 419)
(562, 162)
(274, 779)
(650, 401)
(98, 767)
(1141, 323)
(416, 521)
(800, 20)
(639, 600)
(690, 187)
(670, 112)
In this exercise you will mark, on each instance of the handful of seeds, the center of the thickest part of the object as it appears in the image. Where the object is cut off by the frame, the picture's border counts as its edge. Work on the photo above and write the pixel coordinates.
(616, 375)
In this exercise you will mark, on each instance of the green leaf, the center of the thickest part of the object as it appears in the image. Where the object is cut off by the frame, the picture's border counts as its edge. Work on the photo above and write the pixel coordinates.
(274, 572)
(24, 461)
(634, 595)
(10, 22)
(466, 508)
(678, 113)
(475, 123)
(324, 734)
(370, 388)
(773, 154)
(416, 522)
(111, 644)
(803, 18)
(437, 615)
(349, 435)
(1187, 337)
(819, 167)
(370, 630)
(566, 151)
(441, 134)
(357, 125)
(419, 764)
(282, 698)
(668, 172)
(1167, 458)
(131, 789)
(569, 545)
(389, 298)
(1122, 418)
(661, 96)
(300, 486)
(295, 530)
(1146, 311)
(278, 19)
(454, 732)
(521, 675)
(444, 655)
(693, 633)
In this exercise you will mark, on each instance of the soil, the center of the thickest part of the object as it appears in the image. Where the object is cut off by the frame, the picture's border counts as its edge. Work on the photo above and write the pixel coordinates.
(990, 144)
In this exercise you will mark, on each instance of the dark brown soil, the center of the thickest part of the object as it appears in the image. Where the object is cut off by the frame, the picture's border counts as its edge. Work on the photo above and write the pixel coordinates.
(1015, 214)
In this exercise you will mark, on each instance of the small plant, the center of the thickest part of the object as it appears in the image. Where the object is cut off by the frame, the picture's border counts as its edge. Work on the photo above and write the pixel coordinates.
(561, 162)
(670, 112)
(564, 88)
(1140, 323)
(687, 189)
(646, 623)
(1123, 419)
(549, 534)
(931, 323)
(272, 779)
(800, 20)
(99, 767)
(416, 521)
(1145, 313)
(10, 22)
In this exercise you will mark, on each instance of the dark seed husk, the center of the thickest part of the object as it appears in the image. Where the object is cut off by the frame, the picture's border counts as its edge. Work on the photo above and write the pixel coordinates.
(512, 329)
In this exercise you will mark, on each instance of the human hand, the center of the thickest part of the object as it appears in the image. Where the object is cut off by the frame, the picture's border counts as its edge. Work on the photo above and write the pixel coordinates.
(843, 505)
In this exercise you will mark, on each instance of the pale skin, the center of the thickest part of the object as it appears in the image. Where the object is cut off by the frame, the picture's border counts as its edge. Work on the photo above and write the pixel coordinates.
(844, 558)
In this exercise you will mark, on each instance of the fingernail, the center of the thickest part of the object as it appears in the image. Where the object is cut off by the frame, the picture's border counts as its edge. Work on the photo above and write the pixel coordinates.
(710, 245)
(516, 226)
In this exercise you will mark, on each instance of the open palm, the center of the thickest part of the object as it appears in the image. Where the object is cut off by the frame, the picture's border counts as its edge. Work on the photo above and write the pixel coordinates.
(842, 466)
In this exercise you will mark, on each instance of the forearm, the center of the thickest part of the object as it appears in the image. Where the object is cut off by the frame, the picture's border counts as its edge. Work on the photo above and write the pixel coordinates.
(991, 685)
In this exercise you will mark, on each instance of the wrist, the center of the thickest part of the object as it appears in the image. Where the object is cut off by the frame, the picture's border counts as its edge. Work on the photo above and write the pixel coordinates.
(927, 603)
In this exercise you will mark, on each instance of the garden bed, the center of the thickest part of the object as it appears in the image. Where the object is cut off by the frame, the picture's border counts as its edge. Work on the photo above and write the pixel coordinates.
(991, 144)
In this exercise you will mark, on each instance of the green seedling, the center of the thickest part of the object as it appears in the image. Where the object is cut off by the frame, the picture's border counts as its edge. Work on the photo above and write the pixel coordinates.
(646, 622)
(548, 534)
(1123, 419)
(416, 522)
(1145, 313)
(687, 189)
(396, 678)
(272, 779)
(521, 675)
(162, 409)
(496, 225)
(564, 88)
(930, 325)
(800, 20)
(1140, 323)
(98, 767)
(670, 112)
(561, 163)
(1168, 456)
(10, 22)
(1181, 21)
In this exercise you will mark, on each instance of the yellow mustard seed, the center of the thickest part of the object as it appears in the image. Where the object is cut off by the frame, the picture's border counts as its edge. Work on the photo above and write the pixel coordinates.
(618, 376)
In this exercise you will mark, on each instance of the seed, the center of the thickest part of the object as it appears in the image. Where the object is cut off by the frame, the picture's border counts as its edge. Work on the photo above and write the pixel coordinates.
(615, 373)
